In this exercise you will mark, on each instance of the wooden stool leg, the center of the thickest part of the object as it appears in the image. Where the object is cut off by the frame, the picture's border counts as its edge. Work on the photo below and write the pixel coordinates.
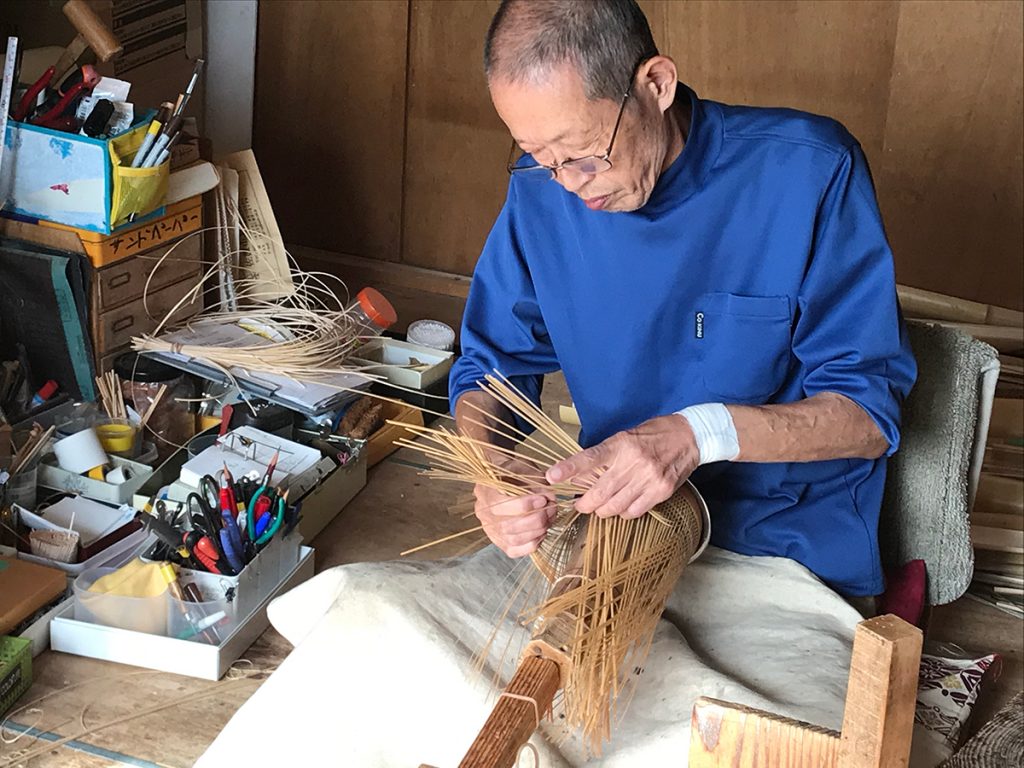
(513, 720)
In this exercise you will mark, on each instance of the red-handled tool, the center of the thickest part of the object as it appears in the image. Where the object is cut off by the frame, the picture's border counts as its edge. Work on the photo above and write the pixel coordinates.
(89, 78)
(28, 101)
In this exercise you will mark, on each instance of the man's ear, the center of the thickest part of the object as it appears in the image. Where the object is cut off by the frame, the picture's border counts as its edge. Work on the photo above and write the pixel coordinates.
(658, 77)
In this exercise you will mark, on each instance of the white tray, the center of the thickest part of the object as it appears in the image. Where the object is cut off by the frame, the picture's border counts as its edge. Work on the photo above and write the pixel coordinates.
(183, 657)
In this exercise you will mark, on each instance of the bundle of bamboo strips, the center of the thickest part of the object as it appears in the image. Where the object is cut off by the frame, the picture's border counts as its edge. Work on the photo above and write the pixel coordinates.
(305, 332)
(604, 580)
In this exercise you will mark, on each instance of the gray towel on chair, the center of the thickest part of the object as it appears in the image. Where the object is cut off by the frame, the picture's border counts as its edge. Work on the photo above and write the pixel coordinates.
(925, 507)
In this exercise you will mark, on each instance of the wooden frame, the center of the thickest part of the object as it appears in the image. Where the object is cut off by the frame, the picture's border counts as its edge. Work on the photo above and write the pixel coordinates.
(877, 722)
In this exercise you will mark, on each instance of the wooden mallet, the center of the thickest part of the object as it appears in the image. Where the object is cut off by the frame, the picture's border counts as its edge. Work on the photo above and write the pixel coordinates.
(92, 33)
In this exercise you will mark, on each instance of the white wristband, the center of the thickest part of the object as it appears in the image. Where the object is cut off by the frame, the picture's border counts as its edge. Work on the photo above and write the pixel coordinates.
(714, 430)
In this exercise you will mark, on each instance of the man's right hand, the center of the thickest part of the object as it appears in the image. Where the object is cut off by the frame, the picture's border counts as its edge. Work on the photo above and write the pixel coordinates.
(516, 524)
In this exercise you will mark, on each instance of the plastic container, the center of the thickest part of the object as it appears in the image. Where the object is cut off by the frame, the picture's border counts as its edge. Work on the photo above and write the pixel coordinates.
(23, 487)
(148, 455)
(139, 614)
(371, 312)
(209, 620)
(173, 420)
(431, 333)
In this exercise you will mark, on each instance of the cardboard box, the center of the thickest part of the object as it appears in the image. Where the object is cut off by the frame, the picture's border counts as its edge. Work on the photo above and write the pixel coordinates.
(177, 220)
(183, 657)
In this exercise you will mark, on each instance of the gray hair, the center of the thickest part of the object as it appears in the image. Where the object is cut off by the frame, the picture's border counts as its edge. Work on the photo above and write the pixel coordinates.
(603, 39)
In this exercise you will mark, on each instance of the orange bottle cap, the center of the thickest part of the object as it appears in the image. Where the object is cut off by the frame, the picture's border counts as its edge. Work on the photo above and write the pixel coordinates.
(377, 308)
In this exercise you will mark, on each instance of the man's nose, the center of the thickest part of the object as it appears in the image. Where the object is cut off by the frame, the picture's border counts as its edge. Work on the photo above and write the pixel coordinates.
(572, 179)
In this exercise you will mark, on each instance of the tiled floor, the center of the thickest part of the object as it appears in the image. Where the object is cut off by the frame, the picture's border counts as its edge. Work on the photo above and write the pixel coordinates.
(397, 510)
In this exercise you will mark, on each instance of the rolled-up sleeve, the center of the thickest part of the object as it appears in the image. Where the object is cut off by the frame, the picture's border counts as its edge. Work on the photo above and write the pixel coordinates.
(503, 329)
(849, 334)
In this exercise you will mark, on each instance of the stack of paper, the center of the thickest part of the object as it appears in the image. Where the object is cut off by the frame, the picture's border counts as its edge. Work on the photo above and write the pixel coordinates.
(311, 396)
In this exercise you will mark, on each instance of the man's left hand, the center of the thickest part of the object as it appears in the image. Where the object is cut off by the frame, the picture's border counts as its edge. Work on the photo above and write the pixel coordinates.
(638, 468)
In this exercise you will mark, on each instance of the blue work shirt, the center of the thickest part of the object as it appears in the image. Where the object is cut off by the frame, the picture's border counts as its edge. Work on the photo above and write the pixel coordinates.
(758, 272)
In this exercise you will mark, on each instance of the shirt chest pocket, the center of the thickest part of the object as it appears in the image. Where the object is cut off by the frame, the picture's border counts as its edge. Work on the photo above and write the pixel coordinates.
(743, 343)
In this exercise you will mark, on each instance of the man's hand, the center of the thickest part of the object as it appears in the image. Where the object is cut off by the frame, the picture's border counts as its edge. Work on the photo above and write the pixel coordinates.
(638, 468)
(515, 524)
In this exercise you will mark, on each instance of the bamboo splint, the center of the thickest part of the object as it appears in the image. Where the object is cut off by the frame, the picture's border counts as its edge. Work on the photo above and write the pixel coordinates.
(877, 723)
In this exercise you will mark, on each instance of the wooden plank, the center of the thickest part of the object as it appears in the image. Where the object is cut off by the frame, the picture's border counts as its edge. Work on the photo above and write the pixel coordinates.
(724, 735)
(930, 305)
(455, 177)
(999, 495)
(373, 271)
(513, 720)
(996, 539)
(1004, 460)
(1007, 418)
(415, 292)
(880, 698)
(329, 124)
(951, 178)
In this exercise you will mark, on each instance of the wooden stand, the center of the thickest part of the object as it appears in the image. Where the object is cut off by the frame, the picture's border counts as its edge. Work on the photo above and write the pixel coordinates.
(513, 720)
(877, 723)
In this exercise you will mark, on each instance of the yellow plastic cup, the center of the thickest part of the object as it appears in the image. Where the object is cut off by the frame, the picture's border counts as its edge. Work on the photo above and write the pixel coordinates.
(118, 436)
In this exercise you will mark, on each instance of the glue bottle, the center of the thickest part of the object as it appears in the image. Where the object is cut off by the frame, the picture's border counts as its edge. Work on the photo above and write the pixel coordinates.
(371, 312)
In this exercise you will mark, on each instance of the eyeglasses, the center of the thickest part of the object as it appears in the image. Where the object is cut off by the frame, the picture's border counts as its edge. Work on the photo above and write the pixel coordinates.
(589, 165)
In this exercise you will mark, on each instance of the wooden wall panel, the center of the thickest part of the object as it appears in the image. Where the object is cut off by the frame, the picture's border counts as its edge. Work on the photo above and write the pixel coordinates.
(329, 124)
(396, 151)
(950, 181)
(455, 177)
(831, 58)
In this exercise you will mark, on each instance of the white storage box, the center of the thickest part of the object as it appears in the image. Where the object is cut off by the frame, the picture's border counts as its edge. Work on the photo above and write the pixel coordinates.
(52, 476)
(405, 364)
(182, 657)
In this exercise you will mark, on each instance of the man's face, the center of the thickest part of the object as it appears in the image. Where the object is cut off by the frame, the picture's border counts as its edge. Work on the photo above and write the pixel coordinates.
(555, 122)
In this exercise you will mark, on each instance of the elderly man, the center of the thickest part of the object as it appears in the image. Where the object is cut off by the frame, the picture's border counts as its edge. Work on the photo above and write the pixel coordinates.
(713, 280)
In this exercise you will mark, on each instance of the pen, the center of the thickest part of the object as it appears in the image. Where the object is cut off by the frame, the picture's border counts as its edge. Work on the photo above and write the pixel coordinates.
(166, 151)
(161, 141)
(150, 137)
(183, 99)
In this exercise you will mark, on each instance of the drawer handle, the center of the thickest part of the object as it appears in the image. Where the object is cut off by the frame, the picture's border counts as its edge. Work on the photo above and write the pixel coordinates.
(121, 279)
(124, 322)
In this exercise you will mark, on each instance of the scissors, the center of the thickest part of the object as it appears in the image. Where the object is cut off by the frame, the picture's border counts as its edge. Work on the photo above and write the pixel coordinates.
(212, 525)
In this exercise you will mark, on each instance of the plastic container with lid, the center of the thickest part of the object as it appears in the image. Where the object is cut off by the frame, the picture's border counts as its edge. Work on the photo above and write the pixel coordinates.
(141, 379)
(431, 333)
(371, 312)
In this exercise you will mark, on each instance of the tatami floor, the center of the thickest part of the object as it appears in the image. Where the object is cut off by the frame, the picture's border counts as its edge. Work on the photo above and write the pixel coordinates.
(119, 715)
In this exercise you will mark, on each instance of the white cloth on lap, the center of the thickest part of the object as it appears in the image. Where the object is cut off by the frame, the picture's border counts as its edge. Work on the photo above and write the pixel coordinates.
(382, 674)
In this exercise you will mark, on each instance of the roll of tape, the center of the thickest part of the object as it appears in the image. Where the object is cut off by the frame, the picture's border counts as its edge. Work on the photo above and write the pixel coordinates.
(119, 475)
(80, 452)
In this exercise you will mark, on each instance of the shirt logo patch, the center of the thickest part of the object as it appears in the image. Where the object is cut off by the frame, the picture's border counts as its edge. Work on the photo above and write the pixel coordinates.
(699, 325)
